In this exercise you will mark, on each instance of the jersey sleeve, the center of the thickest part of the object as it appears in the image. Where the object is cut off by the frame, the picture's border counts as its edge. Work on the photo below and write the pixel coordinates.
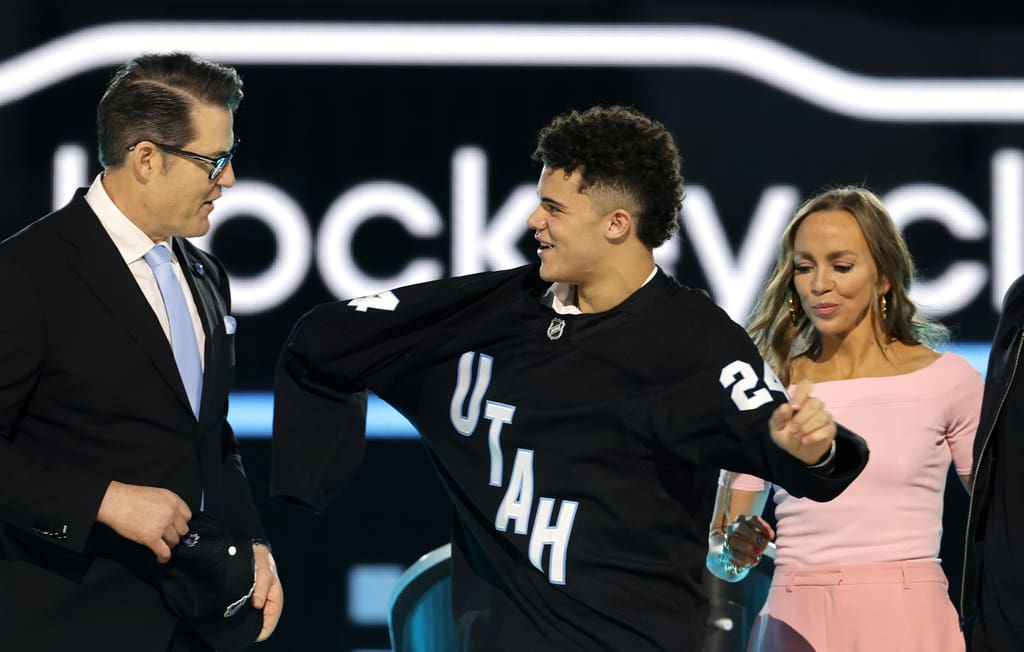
(718, 413)
(334, 355)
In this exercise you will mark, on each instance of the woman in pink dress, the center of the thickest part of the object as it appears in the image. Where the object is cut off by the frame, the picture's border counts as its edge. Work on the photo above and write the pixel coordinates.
(860, 572)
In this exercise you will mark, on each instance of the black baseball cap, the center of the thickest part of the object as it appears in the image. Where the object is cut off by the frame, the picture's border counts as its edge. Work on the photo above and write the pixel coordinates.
(209, 583)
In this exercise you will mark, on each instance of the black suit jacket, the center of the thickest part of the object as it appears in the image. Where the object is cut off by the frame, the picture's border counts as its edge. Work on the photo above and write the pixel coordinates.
(89, 393)
(1002, 365)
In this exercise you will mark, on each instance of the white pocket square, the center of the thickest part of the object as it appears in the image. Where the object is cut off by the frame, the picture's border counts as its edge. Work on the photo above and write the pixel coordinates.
(230, 324)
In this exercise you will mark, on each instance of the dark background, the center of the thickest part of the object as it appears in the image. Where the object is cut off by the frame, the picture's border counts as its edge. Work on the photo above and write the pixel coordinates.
(317, 131)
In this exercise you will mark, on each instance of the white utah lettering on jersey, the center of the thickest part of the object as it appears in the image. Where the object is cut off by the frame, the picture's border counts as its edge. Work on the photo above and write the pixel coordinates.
(465, 422)
(499, 415)
(742, 378)
(380, 301)
(518, 499)
(543, 534)
(517, 502)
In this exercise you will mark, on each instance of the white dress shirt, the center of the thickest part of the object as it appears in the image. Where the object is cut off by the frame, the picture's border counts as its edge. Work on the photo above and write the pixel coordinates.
(132, 243)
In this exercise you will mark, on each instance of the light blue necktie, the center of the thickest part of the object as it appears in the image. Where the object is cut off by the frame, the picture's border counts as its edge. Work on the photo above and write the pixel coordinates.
(183, 335)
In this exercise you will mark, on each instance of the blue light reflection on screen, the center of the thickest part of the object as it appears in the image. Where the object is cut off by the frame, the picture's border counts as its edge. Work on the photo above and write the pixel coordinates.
(252, 413)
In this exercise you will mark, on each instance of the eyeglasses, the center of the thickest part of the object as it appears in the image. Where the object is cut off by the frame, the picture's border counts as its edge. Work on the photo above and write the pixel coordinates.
(218, 163)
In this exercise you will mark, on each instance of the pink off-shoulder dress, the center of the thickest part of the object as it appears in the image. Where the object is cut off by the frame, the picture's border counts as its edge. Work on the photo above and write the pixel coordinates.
(861, 573)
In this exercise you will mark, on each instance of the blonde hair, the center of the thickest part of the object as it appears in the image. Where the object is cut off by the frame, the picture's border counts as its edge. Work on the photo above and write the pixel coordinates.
(771, 324)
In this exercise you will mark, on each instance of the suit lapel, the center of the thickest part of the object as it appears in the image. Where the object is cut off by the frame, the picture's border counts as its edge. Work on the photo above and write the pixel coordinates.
(97, 261)
(210, 314)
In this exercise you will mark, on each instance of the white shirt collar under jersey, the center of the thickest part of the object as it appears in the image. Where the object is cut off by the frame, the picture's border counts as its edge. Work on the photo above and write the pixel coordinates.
(561, 297)
(131, 241)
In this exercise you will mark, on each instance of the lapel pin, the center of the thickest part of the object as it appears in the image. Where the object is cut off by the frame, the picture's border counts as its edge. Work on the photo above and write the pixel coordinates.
(198, 268)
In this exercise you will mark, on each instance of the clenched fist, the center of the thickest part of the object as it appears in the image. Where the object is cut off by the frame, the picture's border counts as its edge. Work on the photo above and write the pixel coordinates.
(803, 427)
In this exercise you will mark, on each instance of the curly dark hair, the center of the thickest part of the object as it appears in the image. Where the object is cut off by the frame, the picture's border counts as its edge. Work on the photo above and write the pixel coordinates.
(620, 149)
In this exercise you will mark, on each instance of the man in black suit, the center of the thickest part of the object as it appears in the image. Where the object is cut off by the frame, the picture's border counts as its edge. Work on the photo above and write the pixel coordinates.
(113, 393)
(992, 591)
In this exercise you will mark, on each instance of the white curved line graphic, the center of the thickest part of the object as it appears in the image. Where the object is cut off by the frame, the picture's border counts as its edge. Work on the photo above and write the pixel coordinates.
(316, 43)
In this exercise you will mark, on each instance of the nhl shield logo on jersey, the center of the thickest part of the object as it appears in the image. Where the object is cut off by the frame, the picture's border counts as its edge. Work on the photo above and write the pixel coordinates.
(556, 328)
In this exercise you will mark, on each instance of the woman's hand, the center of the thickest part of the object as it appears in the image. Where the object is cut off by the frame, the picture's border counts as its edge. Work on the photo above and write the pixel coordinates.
(746, 539)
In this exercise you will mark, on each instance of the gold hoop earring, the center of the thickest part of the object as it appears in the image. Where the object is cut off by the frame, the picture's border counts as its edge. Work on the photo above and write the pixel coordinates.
(794, 312)
(884, 308)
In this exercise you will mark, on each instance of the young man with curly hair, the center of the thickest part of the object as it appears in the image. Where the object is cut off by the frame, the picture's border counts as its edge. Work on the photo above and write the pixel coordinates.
(576, 410)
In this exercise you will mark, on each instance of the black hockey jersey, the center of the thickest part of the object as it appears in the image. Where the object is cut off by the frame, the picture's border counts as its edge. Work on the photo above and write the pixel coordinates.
(579, 450)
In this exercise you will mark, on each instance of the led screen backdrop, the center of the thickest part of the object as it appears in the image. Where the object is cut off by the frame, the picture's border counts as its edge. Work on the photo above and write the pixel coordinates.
(388, 145)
